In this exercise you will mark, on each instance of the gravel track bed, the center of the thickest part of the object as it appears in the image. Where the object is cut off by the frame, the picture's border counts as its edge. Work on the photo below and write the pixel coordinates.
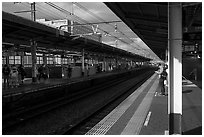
(53, 121)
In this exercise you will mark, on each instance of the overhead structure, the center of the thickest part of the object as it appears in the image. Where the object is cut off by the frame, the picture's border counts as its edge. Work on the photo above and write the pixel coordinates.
(148, 20)
(19, 30)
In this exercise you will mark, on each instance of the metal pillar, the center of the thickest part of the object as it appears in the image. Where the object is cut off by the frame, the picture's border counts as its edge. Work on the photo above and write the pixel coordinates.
(104, 62)
(34, 61)
(33, 11)
(44, 59)
(175, 67)
(7, 59)
(22, 58)
(53, 58)
(82, 62)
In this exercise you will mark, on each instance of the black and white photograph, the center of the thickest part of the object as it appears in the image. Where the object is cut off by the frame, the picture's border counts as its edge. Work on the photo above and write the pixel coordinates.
(101, 67)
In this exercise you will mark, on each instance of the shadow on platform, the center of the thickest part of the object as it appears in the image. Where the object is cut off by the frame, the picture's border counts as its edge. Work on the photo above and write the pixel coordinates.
(195, 131)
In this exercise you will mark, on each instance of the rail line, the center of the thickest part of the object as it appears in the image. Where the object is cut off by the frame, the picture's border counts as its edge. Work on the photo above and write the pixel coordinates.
(90, 121)
(23, 115)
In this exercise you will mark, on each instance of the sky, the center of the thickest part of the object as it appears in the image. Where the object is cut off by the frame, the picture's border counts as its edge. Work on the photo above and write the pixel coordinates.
(90, 12)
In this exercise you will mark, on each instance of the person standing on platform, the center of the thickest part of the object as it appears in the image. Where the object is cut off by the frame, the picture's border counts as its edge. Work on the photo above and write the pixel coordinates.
(14, 76)
(69, 69)
(43, 72)
(6, 71)
(163, 78)
(40, 72)
(21, 74)
(88, 69)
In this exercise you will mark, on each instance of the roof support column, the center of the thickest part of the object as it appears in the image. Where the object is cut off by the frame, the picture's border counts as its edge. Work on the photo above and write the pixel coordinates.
(175, 67)
(7, 58)
(44, 59)
(34, 60)
(22, 58)
(82, 62)
(104, 63)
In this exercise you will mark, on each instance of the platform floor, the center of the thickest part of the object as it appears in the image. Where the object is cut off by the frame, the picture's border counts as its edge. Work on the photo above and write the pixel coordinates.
(145, 112)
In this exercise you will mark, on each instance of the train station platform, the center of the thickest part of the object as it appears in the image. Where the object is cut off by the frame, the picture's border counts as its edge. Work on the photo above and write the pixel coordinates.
(28, 86)
(145, 112)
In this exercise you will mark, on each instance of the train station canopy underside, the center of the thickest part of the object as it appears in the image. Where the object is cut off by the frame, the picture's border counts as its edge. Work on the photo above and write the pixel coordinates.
(21, 31)
(149, 20)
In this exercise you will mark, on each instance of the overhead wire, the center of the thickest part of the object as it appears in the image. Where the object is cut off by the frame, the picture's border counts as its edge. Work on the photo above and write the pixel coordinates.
(50, 15)
(56, 15)
(40, 8)
(99, 18)
(93, 14)
(78, 19)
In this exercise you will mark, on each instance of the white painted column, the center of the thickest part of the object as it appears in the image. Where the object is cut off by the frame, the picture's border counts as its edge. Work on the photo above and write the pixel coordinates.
(175, 67)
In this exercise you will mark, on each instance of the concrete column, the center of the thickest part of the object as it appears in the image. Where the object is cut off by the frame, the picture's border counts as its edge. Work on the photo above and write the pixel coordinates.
(33, 11)
(22, 58)
(175, 67)
(104, 62)
(7, 59)
(82, 62)
(131, 64)
(34, 60)
(53, 58)
(44, 59)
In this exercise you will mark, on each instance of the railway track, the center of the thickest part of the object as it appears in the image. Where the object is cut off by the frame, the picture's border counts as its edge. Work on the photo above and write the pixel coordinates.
(83, 126)
(23, 115)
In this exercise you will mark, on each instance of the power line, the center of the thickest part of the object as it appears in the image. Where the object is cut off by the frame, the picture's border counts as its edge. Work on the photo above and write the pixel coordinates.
(84, 21)
(46, 9)
(91, 13)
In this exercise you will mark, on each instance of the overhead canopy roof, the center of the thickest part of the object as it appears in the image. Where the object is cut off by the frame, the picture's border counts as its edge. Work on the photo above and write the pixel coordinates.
(19, 30)
(149, 20)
